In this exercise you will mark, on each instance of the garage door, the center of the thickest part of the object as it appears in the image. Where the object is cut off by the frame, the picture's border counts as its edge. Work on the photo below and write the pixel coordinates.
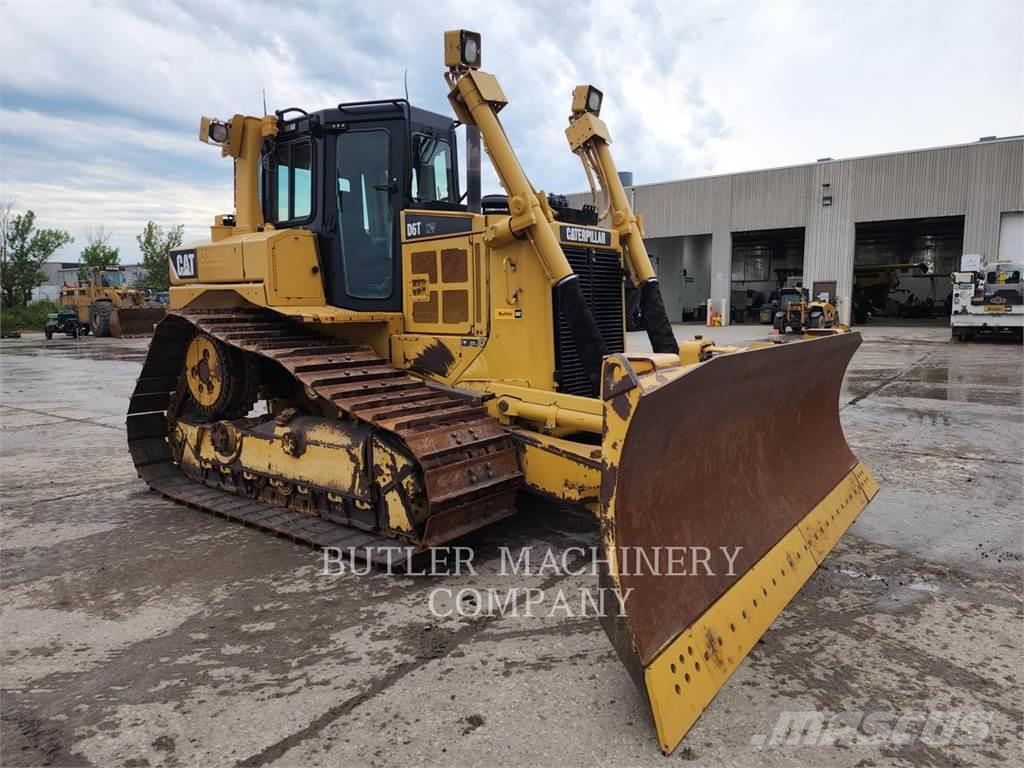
(1011, 236)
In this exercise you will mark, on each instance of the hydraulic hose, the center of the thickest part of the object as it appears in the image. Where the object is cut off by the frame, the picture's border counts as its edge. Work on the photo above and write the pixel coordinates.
(659, 330)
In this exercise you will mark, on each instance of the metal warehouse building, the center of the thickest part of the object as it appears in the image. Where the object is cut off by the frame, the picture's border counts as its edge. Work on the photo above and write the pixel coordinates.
(736, 237)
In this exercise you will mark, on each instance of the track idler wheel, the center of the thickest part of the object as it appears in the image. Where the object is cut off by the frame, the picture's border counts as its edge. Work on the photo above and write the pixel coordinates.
(219, 381)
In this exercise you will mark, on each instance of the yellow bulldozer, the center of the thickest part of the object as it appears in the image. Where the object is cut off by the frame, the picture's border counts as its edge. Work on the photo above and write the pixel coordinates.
(426, 365)
(105, 306)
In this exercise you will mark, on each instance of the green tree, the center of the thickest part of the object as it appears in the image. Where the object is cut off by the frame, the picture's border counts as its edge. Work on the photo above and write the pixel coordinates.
(155, 243)
(98, 252)
(23, 249)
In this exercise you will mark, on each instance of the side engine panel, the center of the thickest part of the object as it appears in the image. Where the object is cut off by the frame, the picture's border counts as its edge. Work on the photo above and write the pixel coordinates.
(272, 268)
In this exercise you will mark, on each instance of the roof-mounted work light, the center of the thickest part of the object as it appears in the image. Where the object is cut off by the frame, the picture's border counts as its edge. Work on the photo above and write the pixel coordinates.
(462, 49)
(586, 98)
(213, 131)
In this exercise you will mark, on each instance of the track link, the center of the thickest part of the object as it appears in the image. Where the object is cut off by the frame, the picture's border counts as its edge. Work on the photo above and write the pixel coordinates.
(470, 470)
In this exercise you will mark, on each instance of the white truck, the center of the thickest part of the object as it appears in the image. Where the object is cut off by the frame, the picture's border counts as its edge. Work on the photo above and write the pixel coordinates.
(988, 298)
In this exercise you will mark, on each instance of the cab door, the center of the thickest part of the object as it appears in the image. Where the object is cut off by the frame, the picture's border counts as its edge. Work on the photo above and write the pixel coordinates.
(363, 237)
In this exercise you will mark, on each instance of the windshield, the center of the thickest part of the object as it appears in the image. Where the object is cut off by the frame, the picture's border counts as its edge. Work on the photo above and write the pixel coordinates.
(112, 279)
(432, 169)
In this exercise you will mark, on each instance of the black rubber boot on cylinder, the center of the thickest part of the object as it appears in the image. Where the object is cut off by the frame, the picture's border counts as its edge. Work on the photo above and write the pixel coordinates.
(659, 331)
(589, 343)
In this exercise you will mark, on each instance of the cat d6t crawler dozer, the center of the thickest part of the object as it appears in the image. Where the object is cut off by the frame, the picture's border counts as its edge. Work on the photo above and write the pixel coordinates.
(424, 363)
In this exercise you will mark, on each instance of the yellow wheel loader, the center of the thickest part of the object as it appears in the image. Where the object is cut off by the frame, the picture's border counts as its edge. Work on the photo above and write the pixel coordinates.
(106, 307)
(798, 313)
(424, 364)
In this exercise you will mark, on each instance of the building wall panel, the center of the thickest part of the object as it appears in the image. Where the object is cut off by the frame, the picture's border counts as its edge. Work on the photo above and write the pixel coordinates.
(830, 232)
(995, 185)
(978, 181)
(769, 199)
(909, 185)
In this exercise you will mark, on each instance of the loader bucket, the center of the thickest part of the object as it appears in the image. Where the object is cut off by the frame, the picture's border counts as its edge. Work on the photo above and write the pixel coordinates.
(135, 321)
(744, 450)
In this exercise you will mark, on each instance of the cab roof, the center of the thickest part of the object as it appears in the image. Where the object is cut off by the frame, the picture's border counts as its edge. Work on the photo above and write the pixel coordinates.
(295, 119)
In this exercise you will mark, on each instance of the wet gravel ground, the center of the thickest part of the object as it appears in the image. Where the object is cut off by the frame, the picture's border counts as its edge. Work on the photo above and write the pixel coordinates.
(138, 633)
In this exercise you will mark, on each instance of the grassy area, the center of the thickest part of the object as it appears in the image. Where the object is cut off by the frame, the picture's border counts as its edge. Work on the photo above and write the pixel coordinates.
(31, 317)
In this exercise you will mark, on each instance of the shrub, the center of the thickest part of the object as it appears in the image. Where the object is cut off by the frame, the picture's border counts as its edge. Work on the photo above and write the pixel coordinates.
(28, 317)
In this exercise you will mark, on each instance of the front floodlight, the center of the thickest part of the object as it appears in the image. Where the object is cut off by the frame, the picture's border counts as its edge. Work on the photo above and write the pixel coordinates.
(462, 49)
(218, 132)
(586, 98)
(213, 131)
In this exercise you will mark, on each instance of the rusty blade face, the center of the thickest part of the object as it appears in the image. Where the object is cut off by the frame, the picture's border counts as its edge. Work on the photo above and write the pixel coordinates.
(734, 453)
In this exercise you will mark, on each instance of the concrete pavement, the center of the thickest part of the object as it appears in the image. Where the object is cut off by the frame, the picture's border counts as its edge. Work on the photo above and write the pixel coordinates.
(139, 633)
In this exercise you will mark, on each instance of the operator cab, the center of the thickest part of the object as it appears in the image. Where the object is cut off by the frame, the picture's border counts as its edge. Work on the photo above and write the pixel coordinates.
(105, 277)
(346, 174)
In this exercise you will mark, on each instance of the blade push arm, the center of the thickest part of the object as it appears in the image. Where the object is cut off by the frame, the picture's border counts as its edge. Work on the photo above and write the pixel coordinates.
(589, 139)
(477, 98)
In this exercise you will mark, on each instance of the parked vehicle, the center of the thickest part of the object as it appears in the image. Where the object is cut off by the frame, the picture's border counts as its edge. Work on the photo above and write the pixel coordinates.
(66, 321)
(102, 301)
(987, 300)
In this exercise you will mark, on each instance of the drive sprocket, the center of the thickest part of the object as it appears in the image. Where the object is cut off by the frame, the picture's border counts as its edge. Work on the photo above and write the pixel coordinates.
(220, 383)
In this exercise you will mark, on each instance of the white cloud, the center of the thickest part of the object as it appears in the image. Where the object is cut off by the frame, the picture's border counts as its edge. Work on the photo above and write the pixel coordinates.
(87, 136)
(100, 100)
(75, 175)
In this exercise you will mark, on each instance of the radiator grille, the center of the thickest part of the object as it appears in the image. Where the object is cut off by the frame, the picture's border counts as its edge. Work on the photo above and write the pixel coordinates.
(600, 276)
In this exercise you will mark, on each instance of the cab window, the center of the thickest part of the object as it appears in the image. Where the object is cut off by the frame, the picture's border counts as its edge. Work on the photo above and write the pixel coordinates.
(294, 188)
(113, 279)
(1007, 276)
(365, 217)
(432, 169)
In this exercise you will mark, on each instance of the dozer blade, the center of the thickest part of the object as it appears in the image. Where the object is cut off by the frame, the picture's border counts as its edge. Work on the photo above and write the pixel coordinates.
(742, 451)
(135, 321)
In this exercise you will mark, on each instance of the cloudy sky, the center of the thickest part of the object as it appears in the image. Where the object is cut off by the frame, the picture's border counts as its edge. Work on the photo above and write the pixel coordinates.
(99, 102)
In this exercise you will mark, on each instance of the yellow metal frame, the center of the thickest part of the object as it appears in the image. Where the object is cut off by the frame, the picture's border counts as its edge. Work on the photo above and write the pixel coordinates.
(690, 671)
(329, 460)
(563, 470)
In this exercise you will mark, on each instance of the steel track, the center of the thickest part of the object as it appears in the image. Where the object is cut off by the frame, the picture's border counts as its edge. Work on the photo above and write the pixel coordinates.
(469, 468)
